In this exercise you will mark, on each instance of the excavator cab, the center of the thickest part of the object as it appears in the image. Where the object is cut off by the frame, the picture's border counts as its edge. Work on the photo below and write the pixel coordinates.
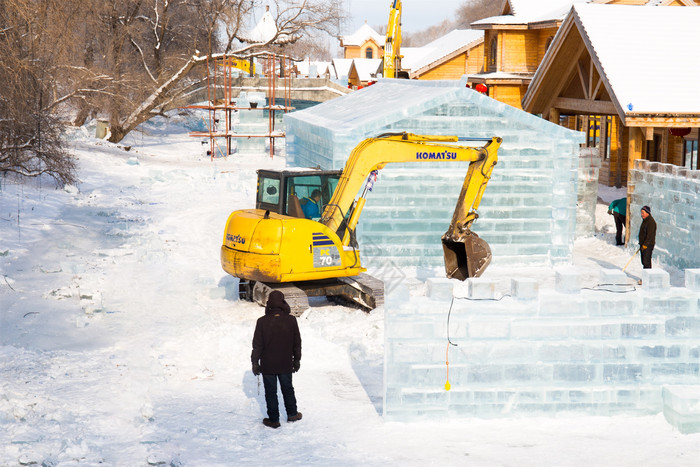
(286, 191)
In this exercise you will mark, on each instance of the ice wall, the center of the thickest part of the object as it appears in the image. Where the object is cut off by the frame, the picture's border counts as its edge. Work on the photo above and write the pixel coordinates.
(604, 350)
(528, 212)
(673, 193)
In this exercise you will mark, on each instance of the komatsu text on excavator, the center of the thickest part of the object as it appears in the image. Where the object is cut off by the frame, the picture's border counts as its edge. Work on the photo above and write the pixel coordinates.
(301, 238)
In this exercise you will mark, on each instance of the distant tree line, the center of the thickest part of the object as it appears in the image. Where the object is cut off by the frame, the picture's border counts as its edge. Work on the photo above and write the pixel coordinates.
(125, 60)
(467, 12)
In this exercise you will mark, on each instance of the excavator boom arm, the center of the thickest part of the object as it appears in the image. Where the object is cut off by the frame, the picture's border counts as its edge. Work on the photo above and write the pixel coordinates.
(392, 43)
(375, 153)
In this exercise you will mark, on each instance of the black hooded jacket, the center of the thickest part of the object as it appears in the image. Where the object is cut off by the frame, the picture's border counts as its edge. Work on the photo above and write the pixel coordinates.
(647, 232)
(276, 341)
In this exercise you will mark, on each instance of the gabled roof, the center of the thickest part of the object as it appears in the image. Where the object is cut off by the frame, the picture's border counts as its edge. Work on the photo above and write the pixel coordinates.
(362, 35)
(367, 68)
(647, 59)
(341, 67)
(452, 44)
(265, 30)
(520, 12)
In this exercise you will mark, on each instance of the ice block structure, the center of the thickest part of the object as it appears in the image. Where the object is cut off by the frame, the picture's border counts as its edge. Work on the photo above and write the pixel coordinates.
(589, 163)
(251, 121)
(673, 193)
(604, 349)
(528, 212)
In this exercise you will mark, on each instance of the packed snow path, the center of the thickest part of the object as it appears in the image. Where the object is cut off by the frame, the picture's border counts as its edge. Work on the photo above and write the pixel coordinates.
(122, 341)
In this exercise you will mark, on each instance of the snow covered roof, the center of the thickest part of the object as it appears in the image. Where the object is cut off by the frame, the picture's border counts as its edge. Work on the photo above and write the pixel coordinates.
(362, 35)
(265, 30)
(367, 68)
(452, 43)
(304, 67)
(341, 67)
(648, 55)
(531, 11)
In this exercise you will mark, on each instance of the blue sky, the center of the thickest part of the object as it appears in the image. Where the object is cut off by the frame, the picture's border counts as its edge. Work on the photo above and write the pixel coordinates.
(416, 14)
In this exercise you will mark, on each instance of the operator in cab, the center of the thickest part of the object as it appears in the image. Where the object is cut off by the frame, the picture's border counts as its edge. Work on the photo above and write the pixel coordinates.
(309, 204)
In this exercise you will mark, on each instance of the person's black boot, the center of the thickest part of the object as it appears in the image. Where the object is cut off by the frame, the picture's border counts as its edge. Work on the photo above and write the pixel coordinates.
(270, 423)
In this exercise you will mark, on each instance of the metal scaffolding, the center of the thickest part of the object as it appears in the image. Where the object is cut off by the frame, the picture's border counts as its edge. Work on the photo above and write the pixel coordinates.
(222, 96)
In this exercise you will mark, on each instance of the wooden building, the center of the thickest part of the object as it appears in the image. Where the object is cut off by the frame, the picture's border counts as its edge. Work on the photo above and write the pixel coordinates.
(451, 56)
(632, 89)
(363, 43)
(515, 43)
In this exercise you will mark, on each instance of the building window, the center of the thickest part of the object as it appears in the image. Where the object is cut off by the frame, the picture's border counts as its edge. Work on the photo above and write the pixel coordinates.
(368, 53)
(493, 51)
(690, 154)
(548, 43)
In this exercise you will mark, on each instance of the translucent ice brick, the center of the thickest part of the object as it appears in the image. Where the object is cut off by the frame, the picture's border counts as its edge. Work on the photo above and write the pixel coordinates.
(692, 279)
(439, 288)
(481, 288)
(655, 280)
(524, 289)
(613, 277)
(567, 280)
(682, 407)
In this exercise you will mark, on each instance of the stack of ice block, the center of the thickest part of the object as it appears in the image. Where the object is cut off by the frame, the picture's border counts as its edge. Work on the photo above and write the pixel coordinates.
(529, 351)
(673, 193)
(251, 121)
(528, 212)
(589, 163)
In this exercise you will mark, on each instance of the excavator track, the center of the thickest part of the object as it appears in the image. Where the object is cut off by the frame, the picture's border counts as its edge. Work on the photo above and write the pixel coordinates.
(363, 291)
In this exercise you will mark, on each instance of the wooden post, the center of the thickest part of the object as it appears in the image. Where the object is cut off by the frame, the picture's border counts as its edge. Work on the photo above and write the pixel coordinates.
(554, 115)
(635, 141)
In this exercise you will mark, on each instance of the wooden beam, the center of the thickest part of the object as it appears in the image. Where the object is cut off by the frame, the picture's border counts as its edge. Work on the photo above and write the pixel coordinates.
(648, 133)
(667, 122)
(585, 107)
(576, 54)
(554, 115)
(591, 67)
(594, 95)
(580, 70)
(634, 151)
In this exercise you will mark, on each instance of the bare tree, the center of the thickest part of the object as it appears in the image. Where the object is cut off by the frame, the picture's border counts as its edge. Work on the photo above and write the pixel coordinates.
(156, 49)
(31, 142)
(474, 10)
(427, 35)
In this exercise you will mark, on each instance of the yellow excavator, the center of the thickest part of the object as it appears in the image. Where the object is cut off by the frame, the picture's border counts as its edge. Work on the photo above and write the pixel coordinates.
(300, 239)
(392, 43)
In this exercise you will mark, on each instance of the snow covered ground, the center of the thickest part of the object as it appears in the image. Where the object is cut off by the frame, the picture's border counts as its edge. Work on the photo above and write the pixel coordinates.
(122, 341)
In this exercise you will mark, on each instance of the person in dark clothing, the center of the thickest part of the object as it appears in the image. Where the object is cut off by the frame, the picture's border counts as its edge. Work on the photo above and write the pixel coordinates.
(647, 236)
(618, 209)
(277, 354)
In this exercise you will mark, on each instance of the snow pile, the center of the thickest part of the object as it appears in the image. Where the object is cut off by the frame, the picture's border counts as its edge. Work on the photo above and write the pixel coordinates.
(122, 341)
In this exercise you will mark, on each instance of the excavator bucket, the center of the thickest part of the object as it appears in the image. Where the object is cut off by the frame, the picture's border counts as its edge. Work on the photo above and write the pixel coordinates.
(466, 255)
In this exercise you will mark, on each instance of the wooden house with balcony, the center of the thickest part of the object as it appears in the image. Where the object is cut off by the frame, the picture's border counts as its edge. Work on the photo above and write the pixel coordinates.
(632, 89)
(516, 41)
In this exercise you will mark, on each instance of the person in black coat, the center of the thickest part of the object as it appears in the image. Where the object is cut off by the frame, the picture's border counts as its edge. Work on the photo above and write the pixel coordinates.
(277, 354)
(647, 236)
